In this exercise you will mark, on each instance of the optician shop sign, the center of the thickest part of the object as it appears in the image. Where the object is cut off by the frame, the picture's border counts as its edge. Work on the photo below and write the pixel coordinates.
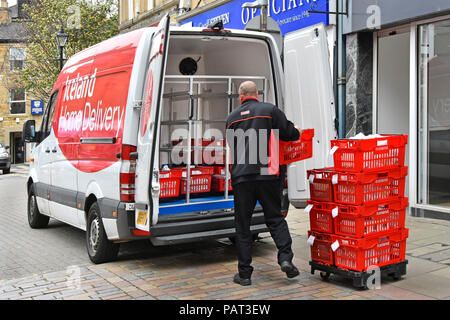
(290, 15)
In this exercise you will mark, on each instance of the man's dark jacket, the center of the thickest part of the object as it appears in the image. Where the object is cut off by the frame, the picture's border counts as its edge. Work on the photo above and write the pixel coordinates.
(254, 116)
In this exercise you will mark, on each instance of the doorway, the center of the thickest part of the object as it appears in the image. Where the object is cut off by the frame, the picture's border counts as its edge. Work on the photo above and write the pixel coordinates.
(17, 147)
(393, 85)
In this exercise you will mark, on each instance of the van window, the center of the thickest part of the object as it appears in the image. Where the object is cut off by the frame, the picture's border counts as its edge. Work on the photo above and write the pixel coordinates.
(48, 118)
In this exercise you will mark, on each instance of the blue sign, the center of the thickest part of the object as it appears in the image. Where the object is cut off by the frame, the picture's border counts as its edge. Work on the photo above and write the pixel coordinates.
(37, 107)
(290, 15)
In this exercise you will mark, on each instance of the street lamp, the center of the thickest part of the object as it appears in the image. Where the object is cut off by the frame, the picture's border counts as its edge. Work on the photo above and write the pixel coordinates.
(61, 39)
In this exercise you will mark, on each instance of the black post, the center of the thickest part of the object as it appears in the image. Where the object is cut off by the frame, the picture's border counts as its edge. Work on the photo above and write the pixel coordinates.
(61, 58)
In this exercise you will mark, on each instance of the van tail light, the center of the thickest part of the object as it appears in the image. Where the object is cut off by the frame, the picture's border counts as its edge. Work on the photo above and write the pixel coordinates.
(127, 174)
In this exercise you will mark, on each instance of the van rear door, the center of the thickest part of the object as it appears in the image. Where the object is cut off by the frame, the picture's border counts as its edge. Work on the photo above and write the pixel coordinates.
(309, 101)
(147, 164)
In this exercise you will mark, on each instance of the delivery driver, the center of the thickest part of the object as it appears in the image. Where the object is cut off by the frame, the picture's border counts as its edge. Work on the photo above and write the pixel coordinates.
(254, 180)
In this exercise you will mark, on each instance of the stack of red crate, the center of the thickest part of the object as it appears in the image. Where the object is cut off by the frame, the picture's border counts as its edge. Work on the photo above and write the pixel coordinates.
(357, 209)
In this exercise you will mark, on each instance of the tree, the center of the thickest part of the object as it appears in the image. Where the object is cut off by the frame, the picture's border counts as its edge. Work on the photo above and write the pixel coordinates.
(87, 22)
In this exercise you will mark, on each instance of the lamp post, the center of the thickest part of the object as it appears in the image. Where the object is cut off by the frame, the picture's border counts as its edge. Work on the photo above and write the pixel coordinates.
(61, 39)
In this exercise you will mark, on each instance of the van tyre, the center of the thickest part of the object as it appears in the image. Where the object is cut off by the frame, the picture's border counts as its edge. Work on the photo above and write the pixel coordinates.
(100, 249)
(36, 220)
(6, 171)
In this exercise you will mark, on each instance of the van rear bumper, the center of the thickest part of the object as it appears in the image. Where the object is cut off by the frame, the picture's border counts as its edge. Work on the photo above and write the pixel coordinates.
(184, 228)
(168, 232)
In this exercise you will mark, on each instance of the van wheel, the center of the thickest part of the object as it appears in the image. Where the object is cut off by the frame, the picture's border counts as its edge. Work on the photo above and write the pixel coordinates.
(36, 220)
(99, 248)
(6, 171)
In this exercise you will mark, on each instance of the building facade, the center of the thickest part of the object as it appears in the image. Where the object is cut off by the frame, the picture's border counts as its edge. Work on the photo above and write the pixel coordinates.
(16, 105)
(398, 81)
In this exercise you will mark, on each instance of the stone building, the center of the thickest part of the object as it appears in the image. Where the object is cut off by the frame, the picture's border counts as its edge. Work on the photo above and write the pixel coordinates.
(15, 102)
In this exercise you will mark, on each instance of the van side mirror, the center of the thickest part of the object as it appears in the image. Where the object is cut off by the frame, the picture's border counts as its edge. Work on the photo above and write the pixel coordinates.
(29, 131)
(6, 147)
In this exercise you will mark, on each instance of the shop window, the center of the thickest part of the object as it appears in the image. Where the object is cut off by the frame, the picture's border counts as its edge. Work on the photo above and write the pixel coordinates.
(434, 114)
(17, 59)
(17, 101)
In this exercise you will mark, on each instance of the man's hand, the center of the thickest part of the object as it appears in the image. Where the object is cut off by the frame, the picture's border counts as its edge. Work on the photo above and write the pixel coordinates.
(299, 130)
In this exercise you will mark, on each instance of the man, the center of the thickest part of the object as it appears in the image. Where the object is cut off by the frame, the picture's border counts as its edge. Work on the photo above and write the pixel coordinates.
(258, 180)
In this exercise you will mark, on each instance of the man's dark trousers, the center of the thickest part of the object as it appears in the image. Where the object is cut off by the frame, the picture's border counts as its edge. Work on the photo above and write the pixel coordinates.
(267, 192)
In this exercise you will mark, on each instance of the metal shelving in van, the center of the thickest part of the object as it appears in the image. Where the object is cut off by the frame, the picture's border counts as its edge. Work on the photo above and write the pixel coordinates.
(189, 89)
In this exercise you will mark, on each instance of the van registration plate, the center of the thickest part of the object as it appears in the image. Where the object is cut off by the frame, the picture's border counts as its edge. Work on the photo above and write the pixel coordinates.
(142, 218)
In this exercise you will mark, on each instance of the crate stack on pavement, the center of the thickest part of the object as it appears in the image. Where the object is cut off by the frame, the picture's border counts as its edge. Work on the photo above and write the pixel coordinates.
(357, 208)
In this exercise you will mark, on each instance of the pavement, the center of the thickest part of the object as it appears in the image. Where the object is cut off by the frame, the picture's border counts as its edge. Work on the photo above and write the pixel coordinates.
(52, 264)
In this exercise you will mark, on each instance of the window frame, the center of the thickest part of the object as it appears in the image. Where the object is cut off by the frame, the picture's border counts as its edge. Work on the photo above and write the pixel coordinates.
(17, 101)
(11, 65)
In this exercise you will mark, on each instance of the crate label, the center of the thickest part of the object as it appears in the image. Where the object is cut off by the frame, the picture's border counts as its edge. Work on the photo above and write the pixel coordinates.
(311, 178)
(308, 208)
(335, 212)
(383, 244)
(333, 150)
(382, 180)
(382, 143)
(335, 178)
(311, 240)
(335, 245)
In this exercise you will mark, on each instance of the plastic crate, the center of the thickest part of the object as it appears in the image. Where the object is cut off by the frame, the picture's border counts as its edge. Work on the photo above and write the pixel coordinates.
(369, 188)
(370, 220)
(321, 247)
(320, 184)
(205, 156)
(293, 151)
(195, 171)
(363, 254)
(199, 184)
(369, 154)
(218, 183)
(169, 181)
(320, 216)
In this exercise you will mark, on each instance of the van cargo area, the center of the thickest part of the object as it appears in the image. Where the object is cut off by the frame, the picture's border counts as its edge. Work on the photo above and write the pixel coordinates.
(201, 88)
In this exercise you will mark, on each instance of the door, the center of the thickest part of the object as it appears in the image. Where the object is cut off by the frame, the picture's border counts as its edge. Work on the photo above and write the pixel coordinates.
(147, 164)
(309, 101)
(44, 158)
(63, 189)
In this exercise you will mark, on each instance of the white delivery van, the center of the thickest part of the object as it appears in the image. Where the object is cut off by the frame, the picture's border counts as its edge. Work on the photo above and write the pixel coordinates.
(129, 116)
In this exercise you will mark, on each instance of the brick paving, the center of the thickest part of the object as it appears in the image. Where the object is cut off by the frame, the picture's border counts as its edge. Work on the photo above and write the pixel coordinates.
(52, 264)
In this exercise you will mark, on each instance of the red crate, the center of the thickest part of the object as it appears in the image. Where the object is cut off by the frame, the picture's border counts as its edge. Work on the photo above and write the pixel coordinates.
(293, 151)
(218, 183)
(199, 184)
(370, 220)
(170, 187)
(369, 188)
(195, 171)
(320, 186)
(205, 156)
(369, 154)
(169, 181)
(320, 217)
(363, 254)
(214, 156)
(321, 248)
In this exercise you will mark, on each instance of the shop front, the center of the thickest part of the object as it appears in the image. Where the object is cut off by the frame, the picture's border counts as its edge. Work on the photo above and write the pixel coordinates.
(411, 91)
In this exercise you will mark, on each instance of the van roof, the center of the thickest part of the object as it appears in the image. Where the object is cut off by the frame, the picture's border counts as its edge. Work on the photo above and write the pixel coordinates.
(127, 41)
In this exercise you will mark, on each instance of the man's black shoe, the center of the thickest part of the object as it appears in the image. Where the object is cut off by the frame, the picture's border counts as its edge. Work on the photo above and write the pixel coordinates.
(243, 282)
(290, 270)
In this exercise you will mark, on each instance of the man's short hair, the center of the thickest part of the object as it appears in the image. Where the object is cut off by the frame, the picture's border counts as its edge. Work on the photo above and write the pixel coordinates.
(248, 89)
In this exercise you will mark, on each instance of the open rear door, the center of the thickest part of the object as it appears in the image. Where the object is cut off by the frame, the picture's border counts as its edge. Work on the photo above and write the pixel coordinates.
(147, 164)
(309, 101)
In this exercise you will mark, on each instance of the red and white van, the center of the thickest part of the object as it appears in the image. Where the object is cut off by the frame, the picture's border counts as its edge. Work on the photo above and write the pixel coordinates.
(104, 156)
